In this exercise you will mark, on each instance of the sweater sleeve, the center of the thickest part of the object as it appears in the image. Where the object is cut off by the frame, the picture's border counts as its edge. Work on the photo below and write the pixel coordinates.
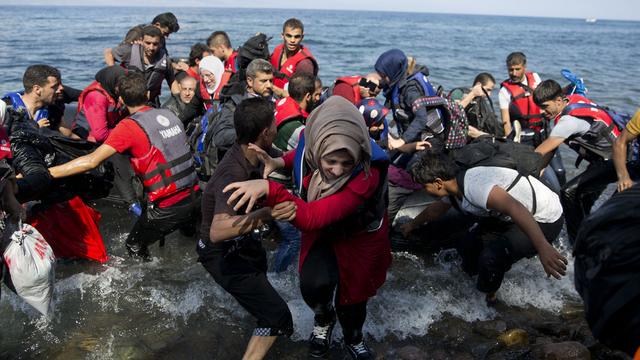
(95, 109)
(419, 122)
(318, 214)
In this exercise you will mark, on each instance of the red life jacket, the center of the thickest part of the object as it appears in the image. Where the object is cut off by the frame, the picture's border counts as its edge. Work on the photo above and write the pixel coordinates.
(522, 107)
(168, 166)
(353, 82)
(80, 121)
(287, 109)
(5, 146)
(230, 63)
(229, 70)
(602, 133)
(286, 71)
(202, 88)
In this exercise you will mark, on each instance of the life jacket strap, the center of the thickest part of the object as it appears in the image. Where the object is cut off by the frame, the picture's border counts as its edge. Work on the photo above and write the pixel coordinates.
(163, 167)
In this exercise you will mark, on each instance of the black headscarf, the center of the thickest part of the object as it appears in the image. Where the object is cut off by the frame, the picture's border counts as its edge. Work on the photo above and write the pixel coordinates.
(108, 78)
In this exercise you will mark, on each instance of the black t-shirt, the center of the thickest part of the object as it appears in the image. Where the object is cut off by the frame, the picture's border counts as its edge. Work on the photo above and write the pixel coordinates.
(233, 167)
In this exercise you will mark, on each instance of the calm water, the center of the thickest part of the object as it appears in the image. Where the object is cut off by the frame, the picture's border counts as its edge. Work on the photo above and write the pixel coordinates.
(171, 307)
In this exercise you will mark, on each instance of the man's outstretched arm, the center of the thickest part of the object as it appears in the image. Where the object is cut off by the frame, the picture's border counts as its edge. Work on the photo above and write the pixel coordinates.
(84, 163)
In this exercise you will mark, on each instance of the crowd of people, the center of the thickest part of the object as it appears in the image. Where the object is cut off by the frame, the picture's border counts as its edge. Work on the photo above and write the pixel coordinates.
(328, 166)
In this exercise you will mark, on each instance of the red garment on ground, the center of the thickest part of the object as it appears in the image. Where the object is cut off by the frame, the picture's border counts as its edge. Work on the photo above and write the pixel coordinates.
(71, 228)
(363, 257)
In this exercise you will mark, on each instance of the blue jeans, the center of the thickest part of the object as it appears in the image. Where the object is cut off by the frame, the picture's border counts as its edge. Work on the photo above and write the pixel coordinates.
(289, 246)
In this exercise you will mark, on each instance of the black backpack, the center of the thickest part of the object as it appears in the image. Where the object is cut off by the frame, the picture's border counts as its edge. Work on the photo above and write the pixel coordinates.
(257, 47)
(607, 270)
(480, 112)
(490, 151)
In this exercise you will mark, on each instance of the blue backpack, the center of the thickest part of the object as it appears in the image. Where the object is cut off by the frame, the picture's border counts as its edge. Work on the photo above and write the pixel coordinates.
(205, 153)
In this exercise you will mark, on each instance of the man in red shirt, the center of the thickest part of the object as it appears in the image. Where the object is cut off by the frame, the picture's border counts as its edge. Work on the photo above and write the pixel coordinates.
(156, 142)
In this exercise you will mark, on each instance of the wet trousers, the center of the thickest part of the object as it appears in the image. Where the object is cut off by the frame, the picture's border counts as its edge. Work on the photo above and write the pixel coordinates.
(492, 246)
(240, 269)
(319, 279)
(123, 177)
(156, 222)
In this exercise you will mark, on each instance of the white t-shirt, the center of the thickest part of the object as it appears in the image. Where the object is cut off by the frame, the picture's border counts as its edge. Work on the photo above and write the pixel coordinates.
(479, 181)
(504, 97)
(569, 126)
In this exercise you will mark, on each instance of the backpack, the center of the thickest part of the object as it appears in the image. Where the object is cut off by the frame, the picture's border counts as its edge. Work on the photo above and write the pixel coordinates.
(490, 151)
(453, 120)
(607, 270)
(480, 112)
(204, 151)
(257, 47)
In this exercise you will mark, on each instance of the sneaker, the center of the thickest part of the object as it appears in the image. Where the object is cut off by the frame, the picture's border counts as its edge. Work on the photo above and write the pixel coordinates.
(359, 351)
(320, 339)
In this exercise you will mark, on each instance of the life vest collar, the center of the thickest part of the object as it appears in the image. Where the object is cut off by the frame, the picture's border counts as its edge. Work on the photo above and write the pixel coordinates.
(287, 69)
(522, 107)
(288, 109)
(18, 104)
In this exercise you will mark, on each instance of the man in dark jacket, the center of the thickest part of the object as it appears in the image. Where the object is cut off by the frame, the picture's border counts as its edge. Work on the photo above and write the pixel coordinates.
(259, 83)
(183, 103)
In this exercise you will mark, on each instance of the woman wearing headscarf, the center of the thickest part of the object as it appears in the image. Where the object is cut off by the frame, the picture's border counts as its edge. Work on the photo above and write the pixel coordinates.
(98, 108)
(415, 123)
(211, 70)
(341, 212)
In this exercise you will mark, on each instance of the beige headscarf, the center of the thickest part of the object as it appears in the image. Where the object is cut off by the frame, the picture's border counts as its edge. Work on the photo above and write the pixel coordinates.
(334, 125)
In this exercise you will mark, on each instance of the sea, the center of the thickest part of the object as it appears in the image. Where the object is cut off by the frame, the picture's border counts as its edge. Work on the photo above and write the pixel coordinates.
(171, 307)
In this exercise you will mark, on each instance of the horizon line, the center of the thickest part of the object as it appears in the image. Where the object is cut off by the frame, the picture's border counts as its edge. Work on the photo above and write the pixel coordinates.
(310, 9)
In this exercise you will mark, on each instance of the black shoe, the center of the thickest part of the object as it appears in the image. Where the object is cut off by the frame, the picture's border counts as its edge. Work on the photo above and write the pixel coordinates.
(320, 339)
(139, 251)
(359, 351)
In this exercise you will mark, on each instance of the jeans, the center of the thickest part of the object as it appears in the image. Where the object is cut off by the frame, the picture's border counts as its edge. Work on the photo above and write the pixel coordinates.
(319, 285)
(289, 246)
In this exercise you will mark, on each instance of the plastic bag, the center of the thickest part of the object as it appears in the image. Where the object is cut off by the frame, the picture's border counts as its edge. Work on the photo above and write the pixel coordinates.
(30, 261)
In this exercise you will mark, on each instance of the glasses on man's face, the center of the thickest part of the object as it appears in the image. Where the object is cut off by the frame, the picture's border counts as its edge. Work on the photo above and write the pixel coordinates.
(290, 36)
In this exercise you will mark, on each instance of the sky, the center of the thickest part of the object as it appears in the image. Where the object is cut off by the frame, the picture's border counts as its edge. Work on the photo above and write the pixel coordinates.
(609, 9)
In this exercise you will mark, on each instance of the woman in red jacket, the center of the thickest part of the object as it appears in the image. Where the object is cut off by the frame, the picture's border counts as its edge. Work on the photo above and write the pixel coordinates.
(342, 215)
(98, 108)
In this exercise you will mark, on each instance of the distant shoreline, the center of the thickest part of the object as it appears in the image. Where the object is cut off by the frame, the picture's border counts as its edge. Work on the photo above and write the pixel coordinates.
(191, 6)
